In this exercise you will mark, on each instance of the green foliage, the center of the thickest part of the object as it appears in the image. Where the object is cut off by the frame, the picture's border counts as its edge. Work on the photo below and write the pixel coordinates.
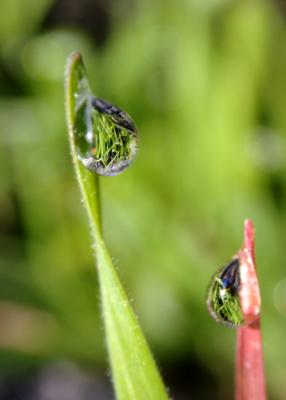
(206, 84)
(134, 372)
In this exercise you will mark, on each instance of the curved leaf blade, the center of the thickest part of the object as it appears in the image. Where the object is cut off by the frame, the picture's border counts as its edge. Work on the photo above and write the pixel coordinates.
(135, 375)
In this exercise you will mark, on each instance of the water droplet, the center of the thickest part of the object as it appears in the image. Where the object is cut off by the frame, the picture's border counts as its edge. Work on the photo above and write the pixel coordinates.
(223, 298)
(105, 136)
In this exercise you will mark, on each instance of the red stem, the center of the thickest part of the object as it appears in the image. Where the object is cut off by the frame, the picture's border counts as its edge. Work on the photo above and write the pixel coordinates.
(250, 381)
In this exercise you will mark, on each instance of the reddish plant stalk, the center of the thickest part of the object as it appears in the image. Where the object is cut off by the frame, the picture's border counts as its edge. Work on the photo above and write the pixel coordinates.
(250, 381)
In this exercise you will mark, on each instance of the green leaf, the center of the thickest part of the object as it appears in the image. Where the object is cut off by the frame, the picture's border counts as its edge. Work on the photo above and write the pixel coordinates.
(135, 375)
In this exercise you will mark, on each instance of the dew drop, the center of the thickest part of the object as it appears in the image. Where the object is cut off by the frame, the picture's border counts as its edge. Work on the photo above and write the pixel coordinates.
(105, 136)
(223, 298)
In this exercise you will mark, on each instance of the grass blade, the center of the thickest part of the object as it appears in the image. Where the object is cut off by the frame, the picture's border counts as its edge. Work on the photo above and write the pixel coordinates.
(135, 375)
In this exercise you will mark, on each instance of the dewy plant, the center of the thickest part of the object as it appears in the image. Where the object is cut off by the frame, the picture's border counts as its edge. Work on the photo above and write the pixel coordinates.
(234, 300)
(103, 140)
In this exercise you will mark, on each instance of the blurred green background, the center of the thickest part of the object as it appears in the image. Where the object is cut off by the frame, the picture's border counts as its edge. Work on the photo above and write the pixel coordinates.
(205, 82)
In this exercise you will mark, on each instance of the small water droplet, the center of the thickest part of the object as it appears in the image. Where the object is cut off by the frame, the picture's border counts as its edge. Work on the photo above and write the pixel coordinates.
(105, 136)
(223, 298)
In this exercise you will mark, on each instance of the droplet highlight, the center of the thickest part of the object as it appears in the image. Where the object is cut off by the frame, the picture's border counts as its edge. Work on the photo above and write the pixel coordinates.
(223, 298)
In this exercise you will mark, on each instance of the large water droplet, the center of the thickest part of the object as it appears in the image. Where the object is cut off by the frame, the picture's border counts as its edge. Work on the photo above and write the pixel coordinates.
(223, 298)
(105, 136)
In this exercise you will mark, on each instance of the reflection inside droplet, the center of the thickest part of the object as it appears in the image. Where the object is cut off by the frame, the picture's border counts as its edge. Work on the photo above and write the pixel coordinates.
(223, 295)
(106, 137)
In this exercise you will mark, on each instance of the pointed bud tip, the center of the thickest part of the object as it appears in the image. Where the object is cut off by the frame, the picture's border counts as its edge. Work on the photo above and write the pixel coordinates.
(75, 55)
(248, 225)
(249, 234)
